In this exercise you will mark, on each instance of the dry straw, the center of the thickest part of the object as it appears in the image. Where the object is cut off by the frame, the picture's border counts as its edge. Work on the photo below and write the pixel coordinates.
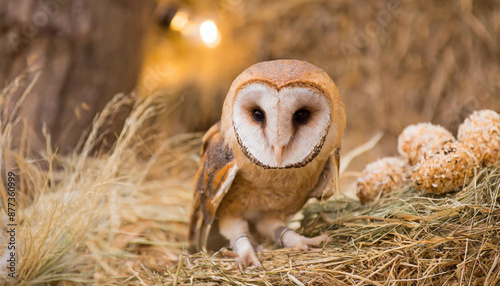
(88, 219)
(405, 239)
(120, 218)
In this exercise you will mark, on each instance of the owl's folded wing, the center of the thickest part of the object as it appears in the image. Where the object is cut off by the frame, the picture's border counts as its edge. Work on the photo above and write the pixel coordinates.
(328, 181)
(215, 175)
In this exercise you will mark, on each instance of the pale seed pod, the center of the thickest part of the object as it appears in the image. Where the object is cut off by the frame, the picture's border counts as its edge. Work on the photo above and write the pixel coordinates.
(417, 142)
(446, 170)
(380, 177)
(481, 132)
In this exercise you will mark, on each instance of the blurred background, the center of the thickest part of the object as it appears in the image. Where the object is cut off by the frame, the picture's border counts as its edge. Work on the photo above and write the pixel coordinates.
(395, 62)
(116, 208)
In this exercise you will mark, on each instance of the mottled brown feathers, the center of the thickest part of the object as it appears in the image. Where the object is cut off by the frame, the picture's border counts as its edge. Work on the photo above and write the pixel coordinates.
(215, 166)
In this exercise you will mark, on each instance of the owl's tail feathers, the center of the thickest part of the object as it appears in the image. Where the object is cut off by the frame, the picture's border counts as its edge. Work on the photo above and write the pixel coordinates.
(199, 229)
(195, 223)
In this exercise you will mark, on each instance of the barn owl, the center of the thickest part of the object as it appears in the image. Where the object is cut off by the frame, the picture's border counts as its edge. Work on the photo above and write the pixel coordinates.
(277, 145)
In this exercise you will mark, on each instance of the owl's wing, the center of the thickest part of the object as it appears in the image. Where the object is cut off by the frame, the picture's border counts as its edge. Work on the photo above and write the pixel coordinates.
(215, 175)
(329, 179)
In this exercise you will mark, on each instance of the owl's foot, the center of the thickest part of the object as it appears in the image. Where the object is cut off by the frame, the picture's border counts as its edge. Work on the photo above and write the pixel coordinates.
(246, 253)
(285, 237)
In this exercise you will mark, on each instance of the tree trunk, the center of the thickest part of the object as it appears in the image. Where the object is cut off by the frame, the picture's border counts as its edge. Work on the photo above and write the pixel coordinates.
(85, 50)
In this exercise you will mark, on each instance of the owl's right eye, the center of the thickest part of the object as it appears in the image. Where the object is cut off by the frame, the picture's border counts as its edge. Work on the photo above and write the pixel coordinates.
(258, 115)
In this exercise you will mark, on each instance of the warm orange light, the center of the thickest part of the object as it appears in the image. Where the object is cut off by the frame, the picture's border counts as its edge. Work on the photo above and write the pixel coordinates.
(209, 34)
(179, 21)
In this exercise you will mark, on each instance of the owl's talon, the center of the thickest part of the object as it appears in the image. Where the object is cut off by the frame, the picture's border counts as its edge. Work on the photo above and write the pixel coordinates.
(291, 239)
(246, 254)
(247, 257)
(317, 240)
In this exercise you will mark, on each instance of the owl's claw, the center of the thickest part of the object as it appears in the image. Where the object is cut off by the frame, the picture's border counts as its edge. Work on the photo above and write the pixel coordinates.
(304, 243)
(246, 253)
(286, 237)
(248, 258)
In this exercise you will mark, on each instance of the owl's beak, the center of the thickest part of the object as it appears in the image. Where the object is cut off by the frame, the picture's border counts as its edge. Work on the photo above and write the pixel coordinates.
(278, 151)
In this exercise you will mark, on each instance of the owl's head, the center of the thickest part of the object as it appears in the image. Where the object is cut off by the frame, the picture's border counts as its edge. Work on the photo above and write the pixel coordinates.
(282, 112)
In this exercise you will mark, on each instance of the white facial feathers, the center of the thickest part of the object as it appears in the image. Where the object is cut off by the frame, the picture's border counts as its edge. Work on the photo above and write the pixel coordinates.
(252, 134)
(305, 137)
(296, 122)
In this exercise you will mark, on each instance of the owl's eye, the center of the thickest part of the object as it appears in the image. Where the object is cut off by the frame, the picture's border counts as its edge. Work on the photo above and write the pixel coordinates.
(301, 116)
(258, 115)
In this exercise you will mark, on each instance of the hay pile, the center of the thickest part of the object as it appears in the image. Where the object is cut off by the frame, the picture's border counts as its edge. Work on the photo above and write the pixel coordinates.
(121, 218)
(98, 219)
(407, 239)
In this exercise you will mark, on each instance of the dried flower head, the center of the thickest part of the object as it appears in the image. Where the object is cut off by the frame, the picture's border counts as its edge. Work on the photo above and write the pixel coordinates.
(481, 132)
(380, 177)
(446, 170)
(417, 142)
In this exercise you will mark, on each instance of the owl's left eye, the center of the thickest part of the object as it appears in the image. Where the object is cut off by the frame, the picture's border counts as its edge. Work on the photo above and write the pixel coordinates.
(258, 115)
(301, 116)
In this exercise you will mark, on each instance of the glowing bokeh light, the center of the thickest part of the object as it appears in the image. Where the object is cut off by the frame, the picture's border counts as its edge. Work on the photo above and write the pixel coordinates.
(209, 34)
(179, 21)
